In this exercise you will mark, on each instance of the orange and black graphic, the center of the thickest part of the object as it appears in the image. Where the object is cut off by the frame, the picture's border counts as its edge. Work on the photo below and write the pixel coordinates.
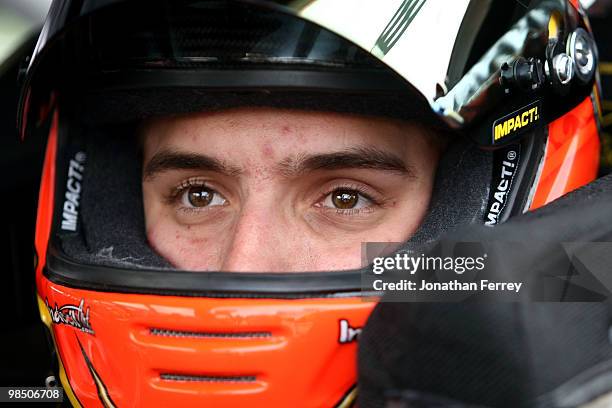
(398, 25)
(45, 316)
(349, 399)
(103, 394)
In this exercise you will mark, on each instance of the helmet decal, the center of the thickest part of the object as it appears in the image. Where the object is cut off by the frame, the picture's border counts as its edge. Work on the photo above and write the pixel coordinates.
(348, 334)
(71, 315)
(397, 26)
(74, 182)
(105, 398)
(505, 167)
(517, 122)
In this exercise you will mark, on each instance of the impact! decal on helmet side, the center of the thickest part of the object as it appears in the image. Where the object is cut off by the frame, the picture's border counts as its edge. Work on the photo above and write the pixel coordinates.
(70, 212)
(516, 122)
(504, 170)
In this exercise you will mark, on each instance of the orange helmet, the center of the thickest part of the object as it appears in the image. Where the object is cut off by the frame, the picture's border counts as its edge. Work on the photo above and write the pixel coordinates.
(513, 83)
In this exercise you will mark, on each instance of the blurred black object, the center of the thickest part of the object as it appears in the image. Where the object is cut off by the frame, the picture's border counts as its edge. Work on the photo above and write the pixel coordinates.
(23, 346)
(527, 354)
(600, 15)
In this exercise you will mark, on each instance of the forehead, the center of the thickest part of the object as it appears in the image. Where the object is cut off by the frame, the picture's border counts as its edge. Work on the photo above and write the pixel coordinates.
(275, 130)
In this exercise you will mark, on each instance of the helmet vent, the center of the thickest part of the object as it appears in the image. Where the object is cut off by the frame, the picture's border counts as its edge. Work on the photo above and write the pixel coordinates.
(208, 378)
(225, 335)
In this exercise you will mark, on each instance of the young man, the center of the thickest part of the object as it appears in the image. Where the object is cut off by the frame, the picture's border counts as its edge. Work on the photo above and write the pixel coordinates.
(261, 189)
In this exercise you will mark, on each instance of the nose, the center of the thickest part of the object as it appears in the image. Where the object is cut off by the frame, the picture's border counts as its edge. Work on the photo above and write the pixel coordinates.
(259, 242)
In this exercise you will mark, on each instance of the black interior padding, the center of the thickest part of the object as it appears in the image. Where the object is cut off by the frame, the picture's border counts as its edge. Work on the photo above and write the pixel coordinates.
(485, 354)
(461, 191)
(112, 228)
(498, 354)
(112, 221)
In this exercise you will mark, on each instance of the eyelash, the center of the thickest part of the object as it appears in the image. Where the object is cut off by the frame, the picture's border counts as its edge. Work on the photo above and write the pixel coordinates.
(361, 190)
(176, 194)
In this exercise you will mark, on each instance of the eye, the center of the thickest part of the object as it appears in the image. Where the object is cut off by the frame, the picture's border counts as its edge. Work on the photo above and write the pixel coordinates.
(346, 199)
(201, 196)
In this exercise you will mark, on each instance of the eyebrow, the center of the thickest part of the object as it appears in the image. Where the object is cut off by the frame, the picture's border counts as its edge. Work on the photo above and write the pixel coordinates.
(353, 158)
(293, 166)
(172, 160)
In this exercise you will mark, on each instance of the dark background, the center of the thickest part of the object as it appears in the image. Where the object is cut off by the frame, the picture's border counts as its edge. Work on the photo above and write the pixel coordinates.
(24, 357)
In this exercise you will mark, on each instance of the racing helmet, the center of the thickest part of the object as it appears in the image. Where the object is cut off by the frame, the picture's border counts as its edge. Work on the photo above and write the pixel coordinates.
(513, 84)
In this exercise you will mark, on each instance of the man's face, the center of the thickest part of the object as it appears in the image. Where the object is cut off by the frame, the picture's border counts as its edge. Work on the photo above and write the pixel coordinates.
(280, 190)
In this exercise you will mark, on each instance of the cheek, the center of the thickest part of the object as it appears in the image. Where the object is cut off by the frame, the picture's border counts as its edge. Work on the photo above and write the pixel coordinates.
(184, 247)
(408, 212)
(342, 259)
(402, 218)
(332, 256)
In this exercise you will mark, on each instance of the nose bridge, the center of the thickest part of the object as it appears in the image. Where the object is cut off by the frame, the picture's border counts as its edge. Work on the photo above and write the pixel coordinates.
(257, 239)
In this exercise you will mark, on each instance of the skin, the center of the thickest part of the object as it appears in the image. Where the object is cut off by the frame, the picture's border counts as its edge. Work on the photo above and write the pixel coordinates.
(271, 176)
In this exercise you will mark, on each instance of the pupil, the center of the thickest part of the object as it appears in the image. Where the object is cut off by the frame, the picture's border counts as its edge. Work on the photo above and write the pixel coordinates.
(199, 196)
(345, 199)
